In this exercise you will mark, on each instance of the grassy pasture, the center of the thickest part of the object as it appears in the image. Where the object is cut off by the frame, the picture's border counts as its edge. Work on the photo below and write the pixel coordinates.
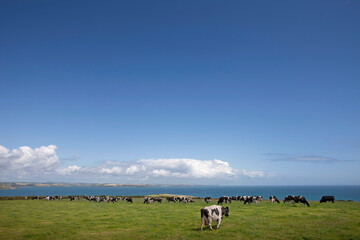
(40, 219)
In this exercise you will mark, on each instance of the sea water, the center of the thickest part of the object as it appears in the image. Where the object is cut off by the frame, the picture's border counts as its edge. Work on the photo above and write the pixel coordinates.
(310, 192)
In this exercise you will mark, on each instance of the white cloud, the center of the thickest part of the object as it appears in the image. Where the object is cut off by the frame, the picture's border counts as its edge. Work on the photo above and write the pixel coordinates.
(161, 173)
(69, 170)
(28, 160)
(114, 170)
(189, 167)
(251, 173)
(134, 169)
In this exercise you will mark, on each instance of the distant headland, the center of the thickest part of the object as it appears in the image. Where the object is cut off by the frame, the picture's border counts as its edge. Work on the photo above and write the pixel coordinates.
(15, 185)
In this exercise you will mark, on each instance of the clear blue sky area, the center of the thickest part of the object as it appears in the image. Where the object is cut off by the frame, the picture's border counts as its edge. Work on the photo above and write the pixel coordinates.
(270, 86)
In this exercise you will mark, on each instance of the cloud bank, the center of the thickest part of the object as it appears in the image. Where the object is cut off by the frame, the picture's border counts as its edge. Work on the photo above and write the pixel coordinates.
(29, 164)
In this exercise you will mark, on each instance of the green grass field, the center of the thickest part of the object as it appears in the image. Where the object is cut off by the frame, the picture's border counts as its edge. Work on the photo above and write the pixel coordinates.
(40, 219)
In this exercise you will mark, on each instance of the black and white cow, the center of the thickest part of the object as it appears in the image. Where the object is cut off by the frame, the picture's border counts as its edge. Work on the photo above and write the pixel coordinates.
(273, 199)
(128, 199)
(224, 199)
(159, 200)
(171, 199)
(243, 198)
(296, 199)
(258, 199)
(186, 200)
(148, 200)
(327, 199)
(102, 199)
(92, 198)
(251, 199)
(73, 198)
(207, 199)
(213, 213)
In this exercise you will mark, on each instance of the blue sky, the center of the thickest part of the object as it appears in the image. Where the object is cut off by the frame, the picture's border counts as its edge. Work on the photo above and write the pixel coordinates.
(205, 92)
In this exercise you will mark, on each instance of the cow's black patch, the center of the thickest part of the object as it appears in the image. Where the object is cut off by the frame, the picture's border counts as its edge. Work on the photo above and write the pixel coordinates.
(216, 212)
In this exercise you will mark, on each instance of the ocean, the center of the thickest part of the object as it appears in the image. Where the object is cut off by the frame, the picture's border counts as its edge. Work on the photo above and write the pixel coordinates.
(310, 192)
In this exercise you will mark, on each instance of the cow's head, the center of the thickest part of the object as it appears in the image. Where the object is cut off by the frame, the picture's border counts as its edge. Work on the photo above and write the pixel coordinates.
(225, 211)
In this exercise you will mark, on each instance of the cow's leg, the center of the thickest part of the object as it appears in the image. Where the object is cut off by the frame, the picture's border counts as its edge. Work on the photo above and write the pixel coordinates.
(202, 223)
(210, 221)
(218, 223)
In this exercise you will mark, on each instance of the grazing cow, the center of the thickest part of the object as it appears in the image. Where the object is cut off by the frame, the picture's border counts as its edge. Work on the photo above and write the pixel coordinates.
(224, 199)
(207, 199)
(159, 200)
(248, 199)
(73, 198)
(327, 199)
(186, 200)
(273, 199)
(102, 199)
(213, 213)
(128, 199)
(243, 198)
(92, 198)
(251, 199)
(47, 198)
(296, 199)
(258, 199)
(171, 199)
(148, 200)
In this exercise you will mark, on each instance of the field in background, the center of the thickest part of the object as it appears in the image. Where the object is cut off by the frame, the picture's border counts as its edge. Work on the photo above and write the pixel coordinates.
(40, 219)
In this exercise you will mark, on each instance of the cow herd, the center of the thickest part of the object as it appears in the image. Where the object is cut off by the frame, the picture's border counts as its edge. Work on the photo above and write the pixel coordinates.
(179, 199)
(224, 199)
(209, 214)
